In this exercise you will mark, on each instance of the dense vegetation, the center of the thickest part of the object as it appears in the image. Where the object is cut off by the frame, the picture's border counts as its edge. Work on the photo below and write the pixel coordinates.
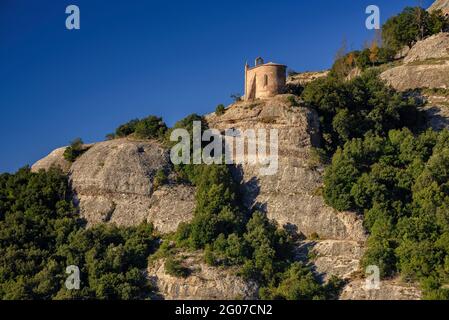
(412, 25)
(372, 56)
(41, 235)
(400, 184)
(382, 166)
(151, 127)
(350, 109)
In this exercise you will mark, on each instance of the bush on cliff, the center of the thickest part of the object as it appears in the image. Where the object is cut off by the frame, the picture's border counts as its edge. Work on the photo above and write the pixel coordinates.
(151, 127)
(76, 148)
(220, 110)
(350, 109)
(399, 182)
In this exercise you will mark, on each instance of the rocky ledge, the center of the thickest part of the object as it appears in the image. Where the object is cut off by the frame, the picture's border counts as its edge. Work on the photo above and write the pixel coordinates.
(203, 283)
(425, 66)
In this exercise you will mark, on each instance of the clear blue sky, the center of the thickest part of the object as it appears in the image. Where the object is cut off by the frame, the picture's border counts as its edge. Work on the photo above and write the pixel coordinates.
(135, 58)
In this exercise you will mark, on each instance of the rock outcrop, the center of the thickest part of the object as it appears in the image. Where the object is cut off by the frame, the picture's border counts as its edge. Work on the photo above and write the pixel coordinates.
(332, 257)
(291, 196)
(203, 283)
(435, 47)
(170, 205)
(54, 159)
(409, 77)
(425, 66)
(113, 183)
(442, 5)
(304, 78)
(388, 290)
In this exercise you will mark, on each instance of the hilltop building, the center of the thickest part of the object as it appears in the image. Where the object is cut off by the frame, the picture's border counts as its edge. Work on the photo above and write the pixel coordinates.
(264, 80)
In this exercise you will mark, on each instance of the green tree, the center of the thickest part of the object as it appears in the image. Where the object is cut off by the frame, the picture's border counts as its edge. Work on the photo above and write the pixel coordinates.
(399, 182)
(76, 148)
(411, 25)
(220, 110)
(151, 127)
(126, 129)
(351, 109)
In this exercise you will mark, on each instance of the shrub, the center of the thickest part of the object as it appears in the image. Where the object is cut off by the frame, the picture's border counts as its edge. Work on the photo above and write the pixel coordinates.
(174, 268)
(160, 179)
(110, 136)
(151, 127)
(314, 236)
(236, 97)
(299, 283)
(126, 129)
(317, 158)
(220, 110)
(292, 100)
(76, 148)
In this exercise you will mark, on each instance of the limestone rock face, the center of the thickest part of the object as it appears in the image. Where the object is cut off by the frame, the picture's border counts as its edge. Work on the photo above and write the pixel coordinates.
(425, 66)
(442, 5)
(170, 205)
(389, 290)
(113, 182)
(306, 77)
(408, 77)
(204, 282)
(54, 159)
(332, 257)
(434, 47)
(291, 195)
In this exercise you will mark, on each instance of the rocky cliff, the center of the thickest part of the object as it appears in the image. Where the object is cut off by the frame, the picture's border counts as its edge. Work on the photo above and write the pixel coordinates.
(425, 69)
(292, 195)
(426, 65)
(442, 5)
(54, 159)
(113, 182)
